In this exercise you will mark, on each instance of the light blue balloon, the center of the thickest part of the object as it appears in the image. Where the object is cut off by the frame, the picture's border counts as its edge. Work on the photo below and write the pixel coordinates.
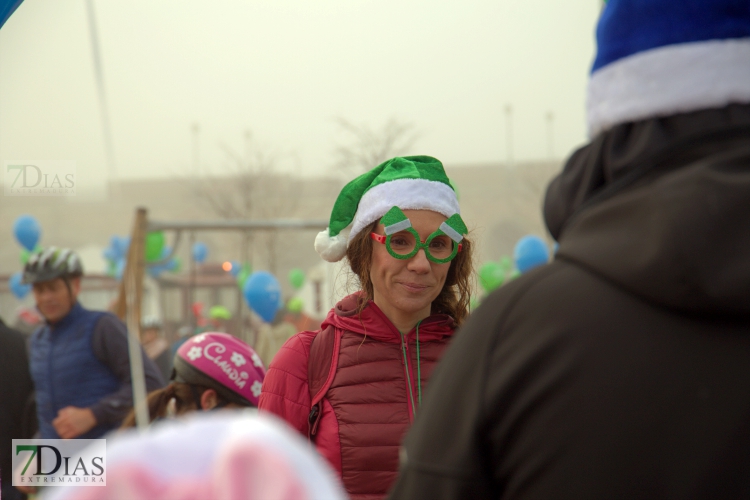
(110, 255)
(200, 252)
(263, 294)
(27, 231)
(114, 242)
(530, 252)
(155, 271)
(20, 290)
(119, 269)
(119, 246)
(236, 268)
(173, 264)
(165, 251)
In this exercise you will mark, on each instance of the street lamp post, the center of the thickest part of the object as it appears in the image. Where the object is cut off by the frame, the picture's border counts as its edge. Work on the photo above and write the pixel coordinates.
(550, 135)
(509, 133)
(196, 129)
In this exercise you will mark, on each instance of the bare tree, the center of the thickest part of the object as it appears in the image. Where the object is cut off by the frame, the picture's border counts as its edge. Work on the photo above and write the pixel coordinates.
(366, 148)
(254, 190)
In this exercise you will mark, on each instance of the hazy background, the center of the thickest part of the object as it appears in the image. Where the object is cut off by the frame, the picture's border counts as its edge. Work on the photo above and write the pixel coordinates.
(233, 109)
(284, 70)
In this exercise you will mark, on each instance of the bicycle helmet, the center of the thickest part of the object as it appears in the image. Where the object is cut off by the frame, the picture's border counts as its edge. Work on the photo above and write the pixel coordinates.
(151, 322)
(219, 312)
(223, 363)
(52, 263)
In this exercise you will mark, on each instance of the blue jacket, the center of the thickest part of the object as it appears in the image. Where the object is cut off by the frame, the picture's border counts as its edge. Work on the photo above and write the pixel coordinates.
(82, 361)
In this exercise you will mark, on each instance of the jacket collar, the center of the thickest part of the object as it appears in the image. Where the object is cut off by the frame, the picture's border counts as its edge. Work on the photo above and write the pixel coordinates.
(373, 323)
(75, 312)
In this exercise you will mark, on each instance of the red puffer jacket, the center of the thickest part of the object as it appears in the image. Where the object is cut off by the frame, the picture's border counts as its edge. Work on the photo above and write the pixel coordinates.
(369, 405)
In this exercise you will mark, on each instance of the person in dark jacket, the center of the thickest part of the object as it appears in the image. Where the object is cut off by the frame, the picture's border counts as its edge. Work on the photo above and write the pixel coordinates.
(622, 369)
(16, 390)
(79, 358)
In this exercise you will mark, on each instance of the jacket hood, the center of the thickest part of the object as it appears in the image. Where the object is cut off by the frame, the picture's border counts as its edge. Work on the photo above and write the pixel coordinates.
(373, 323)
(661, 207)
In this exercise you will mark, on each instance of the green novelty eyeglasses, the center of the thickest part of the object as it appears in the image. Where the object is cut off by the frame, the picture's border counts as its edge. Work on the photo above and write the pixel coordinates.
(402, 240)
(438, 247)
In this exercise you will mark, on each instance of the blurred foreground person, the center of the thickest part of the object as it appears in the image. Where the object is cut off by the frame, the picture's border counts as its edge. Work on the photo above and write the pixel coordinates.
(622, 369)
(355, 386)
(232, 455)
(211, 370)
(16, 391)
(79, 358)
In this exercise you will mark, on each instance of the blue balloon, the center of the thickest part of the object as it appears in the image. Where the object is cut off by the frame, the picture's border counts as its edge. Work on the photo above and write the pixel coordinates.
(155, 271)
(27, 231)
(263, 294)
(19, 289)
(165, 251)
(119, 269)
(110, 254)
(530, 252)
(169, 265)
(119, 246)
(236, 268)
(200, 252)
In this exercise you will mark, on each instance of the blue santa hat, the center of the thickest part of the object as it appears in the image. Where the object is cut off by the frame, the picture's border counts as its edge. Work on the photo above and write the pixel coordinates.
(663, 57)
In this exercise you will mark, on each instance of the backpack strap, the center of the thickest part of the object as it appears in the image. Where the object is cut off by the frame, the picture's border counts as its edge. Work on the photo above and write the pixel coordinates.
(321, 368)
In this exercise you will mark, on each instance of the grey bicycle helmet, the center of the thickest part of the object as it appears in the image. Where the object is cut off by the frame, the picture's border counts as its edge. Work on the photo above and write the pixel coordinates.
(52, 263)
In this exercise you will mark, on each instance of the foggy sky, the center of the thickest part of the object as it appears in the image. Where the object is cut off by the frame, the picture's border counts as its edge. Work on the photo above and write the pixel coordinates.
(284, 70)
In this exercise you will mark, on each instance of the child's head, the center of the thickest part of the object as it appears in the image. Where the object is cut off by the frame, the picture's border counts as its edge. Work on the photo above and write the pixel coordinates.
(211, 370)
(223, 364)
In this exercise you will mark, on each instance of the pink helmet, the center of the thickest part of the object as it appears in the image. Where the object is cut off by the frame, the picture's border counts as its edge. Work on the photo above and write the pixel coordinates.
(222, 362)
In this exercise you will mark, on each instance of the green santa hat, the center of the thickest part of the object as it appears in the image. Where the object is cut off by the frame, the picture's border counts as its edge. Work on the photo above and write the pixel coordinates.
(410, 183)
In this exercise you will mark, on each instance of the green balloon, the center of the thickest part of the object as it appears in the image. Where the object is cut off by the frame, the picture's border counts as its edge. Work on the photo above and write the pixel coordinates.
(473, 303)
(297, 278)
(154, 245)
(506, 263)
(295, 305)
(515, 274)
(491, 276)
(244, 275)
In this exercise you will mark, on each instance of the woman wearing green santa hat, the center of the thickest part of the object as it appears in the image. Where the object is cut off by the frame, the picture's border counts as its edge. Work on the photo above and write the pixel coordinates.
(354, 386)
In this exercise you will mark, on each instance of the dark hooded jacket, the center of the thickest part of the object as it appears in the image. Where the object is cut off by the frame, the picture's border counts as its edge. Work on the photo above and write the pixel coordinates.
(621, 369)
(17, 418)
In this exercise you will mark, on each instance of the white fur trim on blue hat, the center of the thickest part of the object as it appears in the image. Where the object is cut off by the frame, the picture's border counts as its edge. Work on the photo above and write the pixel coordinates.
(669, 80)
(406, 194)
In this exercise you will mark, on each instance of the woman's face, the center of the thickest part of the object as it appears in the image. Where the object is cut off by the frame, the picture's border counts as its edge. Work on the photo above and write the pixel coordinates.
(404, 289)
